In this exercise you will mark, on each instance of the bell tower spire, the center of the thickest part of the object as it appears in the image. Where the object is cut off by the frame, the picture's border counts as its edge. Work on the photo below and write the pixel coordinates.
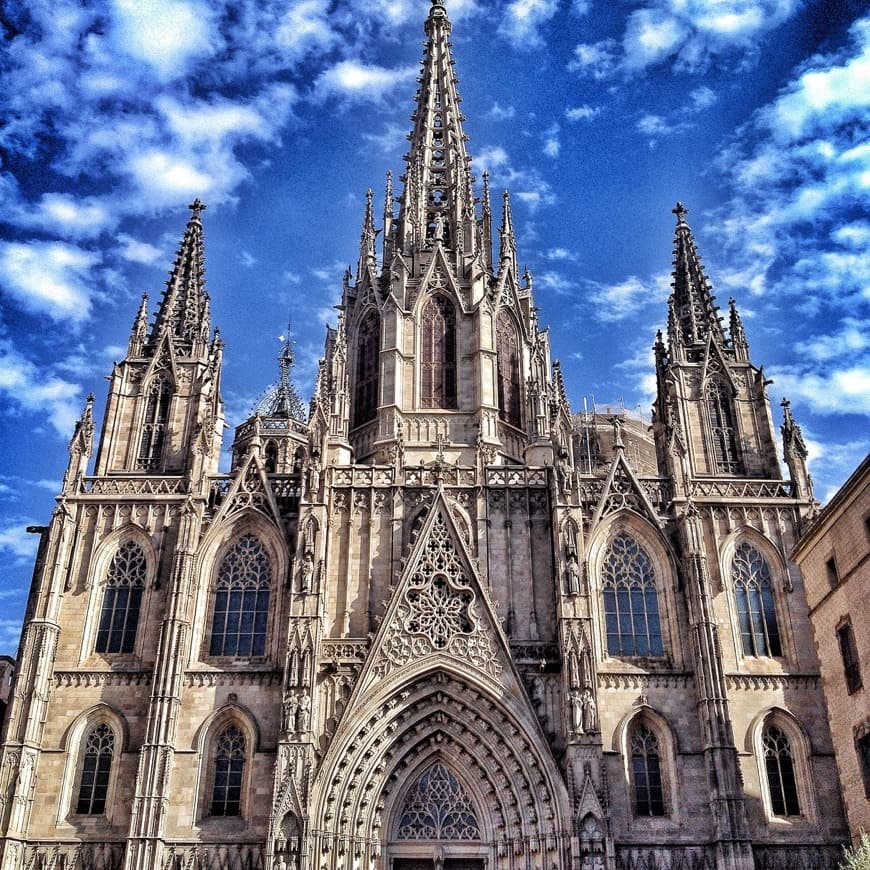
(437, 204)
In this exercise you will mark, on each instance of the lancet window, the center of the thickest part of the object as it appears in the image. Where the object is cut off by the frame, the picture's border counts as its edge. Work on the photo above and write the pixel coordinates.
(438, 359)
(241, 608)
(508, 365)
(779, 764)
(96, 769)
(631, 609)
(122, 600)
(723, 429)
(756, 610)
(438, 808)
(646, 772)
(229, 769)
(367, 368)
(154, 423)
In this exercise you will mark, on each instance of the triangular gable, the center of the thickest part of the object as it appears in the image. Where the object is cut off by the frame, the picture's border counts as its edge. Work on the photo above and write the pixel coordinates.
(623, 490)
(439, 266)
(439, 608)
(250, 489)
(713, 354)
(589, 804)
(164, 357)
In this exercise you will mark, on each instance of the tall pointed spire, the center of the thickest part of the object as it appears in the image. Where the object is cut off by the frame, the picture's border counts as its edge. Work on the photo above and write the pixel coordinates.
(736, 332)
(389, 226)
(438, 178)
(692, 304)
(486, 223)
(184, 309)
(367, 237)
(282, 399)
(507, 250)
(139, 332)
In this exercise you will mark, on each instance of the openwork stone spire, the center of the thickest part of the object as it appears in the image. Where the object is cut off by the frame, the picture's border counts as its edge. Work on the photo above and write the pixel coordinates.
(692, 314)
(184, 310)
(282, 400)
(438, 202)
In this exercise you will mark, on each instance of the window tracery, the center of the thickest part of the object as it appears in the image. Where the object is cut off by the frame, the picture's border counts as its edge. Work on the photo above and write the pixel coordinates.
(508, 367)
(649, 799)
(367, 368)
(438, 357)
(780, 767)
(438, 808)
(229, 767)
(154, 423)
(756, 609)
(723, 429)
(96, 768)
(631, 610)
(122, 600)
(241, 608)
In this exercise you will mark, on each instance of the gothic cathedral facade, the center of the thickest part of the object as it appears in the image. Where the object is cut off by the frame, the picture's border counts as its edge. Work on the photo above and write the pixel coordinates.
(418, 624)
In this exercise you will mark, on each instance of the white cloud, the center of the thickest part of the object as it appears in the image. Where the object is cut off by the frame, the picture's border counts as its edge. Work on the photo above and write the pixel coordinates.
(552, 145)
(137, 251)
(829, 390)
(612, 302)
(490, 158)
(166, 34)
(500, 112)
(389, 140)
(16, 541)
(651, 35)
(522, 20)
(305, 28)
(367, 82)
(559, 254)
(598, 59)
(76, 218)
(849, 341)
(582, 113)
(702, 98)
(49, 277)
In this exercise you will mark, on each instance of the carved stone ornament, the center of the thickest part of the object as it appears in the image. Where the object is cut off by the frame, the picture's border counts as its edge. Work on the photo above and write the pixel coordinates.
(439, 611)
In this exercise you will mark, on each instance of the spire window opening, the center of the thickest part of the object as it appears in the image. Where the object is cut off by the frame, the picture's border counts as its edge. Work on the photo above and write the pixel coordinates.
(367, 369)
(96, 769)
(723, 429)
(756, 609)
(154, 424)
(631, 610)
(438, 359)
(781, 781)
(122, 600)
(508, 368)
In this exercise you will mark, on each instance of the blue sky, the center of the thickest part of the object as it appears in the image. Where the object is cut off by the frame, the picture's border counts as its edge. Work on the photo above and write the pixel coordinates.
(597, 114)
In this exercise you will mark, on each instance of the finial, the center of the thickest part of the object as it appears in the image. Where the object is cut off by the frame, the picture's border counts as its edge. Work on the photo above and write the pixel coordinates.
(197, 207)
(680, 211)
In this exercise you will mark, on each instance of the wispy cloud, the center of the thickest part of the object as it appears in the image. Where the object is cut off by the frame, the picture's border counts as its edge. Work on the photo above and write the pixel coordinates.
(523, 19)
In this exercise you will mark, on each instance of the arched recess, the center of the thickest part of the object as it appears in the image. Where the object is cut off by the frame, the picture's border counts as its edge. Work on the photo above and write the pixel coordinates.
(97, 573)
(204, 744)
(216, 544)
(664, 565)
(154, 420)
(801, 754)
(779, 579)
(72, 743)
(508, 368)
(723, 426)
(367, 368)
(668, 749)
(439, 355)
(438, 714)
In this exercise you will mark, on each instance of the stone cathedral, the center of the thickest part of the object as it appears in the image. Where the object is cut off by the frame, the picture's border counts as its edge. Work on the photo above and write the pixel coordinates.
(434, 620)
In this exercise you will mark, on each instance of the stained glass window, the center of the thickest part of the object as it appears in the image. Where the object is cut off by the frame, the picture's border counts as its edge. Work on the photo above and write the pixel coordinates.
(756, 611)
(646, 771)
(437, 808)
(96, 767)
(229, 767)
(154, 423)
(122, 599)
(722, 428)
(241, 608)
(508, 363)
(631, 610)
(779, 762)
(367, 368)
(438, 359)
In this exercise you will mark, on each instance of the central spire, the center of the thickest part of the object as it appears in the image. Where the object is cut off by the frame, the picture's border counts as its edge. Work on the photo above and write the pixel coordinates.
(437, 205)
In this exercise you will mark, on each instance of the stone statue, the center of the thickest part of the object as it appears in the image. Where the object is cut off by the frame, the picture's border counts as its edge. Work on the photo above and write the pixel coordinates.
(438, 227)
(280, 863)
(576, 712)
(314, 477)
(303, 714)
(288, 713)
(587, 702)
(307, 574)
(573, 572)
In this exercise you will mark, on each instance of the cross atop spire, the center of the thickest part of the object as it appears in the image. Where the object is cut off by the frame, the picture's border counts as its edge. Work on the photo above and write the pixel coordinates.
(184, 309)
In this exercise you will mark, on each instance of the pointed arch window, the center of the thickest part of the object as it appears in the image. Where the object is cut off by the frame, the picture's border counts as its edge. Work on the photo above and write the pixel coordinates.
(241, 609)
(367, 368)
(229, 769)
(646, 772)
(438, 359)
(508, 366)
(780, 767)
(756, 609)
(438, 808)
(631, 609)
(154, 423)
(723, 429)
(96, 769)
(122, 600)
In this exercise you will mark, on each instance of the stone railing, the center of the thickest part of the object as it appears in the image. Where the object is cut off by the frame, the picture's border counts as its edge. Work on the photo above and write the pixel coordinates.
(741, 489)
(362, 475)
(516, 475)
(350, 651)
(121, 486)
(271, 425)
(429, 475)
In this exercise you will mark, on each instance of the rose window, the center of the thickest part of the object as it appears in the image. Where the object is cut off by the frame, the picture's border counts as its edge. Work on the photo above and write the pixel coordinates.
(438, 611)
